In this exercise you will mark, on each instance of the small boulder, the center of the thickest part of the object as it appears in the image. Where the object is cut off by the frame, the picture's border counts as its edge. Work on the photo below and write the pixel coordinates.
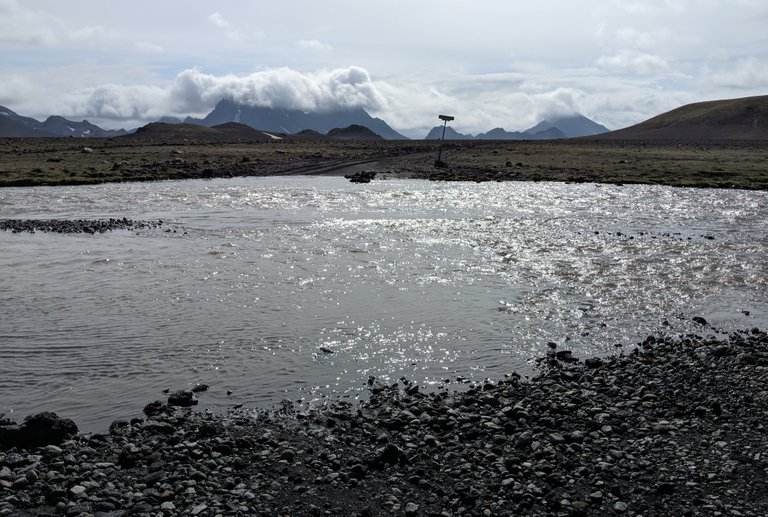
(155, 408)
(593, 362)
(37, 430)
(182, 398)
(117, 426)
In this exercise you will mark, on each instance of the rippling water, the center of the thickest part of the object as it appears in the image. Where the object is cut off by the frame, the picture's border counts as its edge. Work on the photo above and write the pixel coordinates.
(250, 278)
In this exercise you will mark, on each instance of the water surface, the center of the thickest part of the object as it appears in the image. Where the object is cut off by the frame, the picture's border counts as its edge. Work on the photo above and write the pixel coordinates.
(250, 278)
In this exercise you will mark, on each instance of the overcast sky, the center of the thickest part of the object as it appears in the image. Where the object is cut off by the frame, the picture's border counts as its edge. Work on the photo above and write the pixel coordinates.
(491, 63)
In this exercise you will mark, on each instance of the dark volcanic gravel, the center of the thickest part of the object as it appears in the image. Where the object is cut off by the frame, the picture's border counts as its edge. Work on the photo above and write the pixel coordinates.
(675, 427)
(74, 225)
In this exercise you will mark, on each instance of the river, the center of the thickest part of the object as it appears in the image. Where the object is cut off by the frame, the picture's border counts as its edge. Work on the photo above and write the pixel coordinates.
(302, 287)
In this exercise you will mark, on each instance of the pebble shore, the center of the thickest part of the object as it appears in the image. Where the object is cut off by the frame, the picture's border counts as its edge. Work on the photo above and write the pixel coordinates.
(675, 426)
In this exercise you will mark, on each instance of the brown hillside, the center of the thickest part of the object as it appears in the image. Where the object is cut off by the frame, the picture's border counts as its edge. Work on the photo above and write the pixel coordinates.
(733, 119)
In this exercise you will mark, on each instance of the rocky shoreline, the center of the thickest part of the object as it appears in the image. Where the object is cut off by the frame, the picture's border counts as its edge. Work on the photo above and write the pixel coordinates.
(675, 426)
(91, 226)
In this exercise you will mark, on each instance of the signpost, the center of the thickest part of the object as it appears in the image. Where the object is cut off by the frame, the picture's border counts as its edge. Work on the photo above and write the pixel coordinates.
(439, 162)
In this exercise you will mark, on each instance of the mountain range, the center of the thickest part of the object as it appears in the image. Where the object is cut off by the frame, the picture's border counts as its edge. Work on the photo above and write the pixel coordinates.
(562, 127)
(731, 119)
(15, 125)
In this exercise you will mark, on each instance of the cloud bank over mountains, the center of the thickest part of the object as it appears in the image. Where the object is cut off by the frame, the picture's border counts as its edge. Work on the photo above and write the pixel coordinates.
(194, 92)
(408, 106)
(279, 88)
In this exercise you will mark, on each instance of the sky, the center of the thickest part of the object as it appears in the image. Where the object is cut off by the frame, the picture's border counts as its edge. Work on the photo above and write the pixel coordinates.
(489, 63)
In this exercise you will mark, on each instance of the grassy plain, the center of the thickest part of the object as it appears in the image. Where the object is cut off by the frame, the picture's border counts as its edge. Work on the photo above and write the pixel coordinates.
(67, 161)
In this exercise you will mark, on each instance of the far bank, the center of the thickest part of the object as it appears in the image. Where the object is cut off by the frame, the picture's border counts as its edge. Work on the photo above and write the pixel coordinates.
(70, 161)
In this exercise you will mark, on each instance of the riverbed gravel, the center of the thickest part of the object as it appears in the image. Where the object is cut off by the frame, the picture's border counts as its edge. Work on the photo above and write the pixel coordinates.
(674, 426)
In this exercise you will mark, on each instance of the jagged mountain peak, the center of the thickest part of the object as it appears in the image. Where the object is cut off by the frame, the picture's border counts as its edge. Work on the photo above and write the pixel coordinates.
(14, 125)
(293, 121)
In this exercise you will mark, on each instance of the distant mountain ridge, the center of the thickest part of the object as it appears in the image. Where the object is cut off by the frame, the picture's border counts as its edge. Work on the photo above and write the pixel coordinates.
(292, 121)
(572, 126)
(563, 127)
(15, 125)
(731, 119)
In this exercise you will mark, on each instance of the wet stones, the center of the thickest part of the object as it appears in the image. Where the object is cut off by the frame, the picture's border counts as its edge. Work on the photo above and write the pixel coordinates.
(89, 226)
(361, 177)
(638, 435)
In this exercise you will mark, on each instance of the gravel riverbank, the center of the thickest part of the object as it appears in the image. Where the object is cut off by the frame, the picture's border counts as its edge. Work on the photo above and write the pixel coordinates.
(676, 426)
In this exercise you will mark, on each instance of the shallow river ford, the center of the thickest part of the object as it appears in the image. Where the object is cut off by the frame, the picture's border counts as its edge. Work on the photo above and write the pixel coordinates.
(302, 287)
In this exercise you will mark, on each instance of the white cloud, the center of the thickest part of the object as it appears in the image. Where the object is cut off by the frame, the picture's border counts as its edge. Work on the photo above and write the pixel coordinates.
(635, 63)
(233, 32)
(746, 73)
(23, 26)
(218, 20)
(281, 87)
(313, 45)
(120, 102)
(90, 34)
(147, 47)
(20, 25)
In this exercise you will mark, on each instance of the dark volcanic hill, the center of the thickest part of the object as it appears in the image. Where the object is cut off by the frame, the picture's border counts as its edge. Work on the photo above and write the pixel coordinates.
(228, 132)
(733, 119)
(309, 134)
(294, 121)
(353, 132)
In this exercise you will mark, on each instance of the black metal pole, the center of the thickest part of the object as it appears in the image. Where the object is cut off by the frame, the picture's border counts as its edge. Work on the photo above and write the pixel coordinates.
(439, 162)
(440, 150)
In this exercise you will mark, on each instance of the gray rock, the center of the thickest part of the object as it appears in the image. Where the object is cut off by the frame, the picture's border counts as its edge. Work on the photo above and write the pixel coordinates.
(182, 398)
(37, 430)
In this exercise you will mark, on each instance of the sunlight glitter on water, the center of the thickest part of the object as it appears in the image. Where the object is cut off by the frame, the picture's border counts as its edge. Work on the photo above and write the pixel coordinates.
(255, 277)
